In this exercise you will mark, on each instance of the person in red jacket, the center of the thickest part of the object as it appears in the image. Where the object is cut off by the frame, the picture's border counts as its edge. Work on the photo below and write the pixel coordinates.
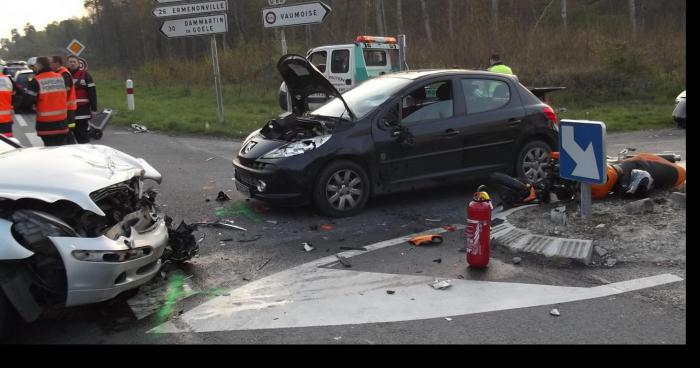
(6, 91)
(47, 92)
(86, 99)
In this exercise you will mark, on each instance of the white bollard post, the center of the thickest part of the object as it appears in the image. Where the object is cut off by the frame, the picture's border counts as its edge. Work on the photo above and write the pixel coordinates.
(130, 94)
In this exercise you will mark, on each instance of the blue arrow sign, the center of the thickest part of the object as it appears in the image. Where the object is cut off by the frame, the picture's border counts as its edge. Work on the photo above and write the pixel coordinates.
(582, 151)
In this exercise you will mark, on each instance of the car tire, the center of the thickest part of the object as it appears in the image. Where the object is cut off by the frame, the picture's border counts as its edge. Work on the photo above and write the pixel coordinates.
(532, 160)
(8, 317)
(342, 189)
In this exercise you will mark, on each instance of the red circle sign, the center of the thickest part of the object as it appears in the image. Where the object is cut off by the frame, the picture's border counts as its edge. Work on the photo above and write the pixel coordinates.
(270, 17)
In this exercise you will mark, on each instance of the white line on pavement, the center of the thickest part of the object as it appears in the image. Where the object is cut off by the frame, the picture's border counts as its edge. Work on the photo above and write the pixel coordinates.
(20, 120)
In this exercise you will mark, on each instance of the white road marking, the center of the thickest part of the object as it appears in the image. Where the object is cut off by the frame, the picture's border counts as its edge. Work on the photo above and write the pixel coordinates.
(311, 295)
(34, 140)
(20, 120)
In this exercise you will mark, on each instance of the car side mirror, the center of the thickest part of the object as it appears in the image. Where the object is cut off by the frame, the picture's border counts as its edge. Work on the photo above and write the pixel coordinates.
(391, 119)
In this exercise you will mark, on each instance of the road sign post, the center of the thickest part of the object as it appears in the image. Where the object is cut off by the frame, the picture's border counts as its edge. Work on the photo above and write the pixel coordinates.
(586, 165)
(205, 23)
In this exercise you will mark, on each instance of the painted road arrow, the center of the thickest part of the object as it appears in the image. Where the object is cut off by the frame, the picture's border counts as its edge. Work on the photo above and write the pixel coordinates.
(295, 15)
(191, 8)
(196, 26)
(313, 295)
(586, 163)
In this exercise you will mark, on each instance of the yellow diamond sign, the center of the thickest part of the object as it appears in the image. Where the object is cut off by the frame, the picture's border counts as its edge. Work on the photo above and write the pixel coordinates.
(75, 47)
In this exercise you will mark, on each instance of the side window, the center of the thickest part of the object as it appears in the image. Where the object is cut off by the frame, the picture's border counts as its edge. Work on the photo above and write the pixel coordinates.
(319, 60)
(485, 94)
(375, 57)
(431, 102)
(340, 61)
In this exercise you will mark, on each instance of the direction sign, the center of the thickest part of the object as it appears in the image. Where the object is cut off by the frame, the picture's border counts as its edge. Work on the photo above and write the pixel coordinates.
(197, 26)
(582, 151)
(295, 15)
(276, 2)
(191, 8)
(75, 47)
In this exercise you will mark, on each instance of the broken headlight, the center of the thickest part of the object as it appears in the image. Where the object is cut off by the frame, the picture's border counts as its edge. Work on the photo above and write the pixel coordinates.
(111, 255)
(297, 148)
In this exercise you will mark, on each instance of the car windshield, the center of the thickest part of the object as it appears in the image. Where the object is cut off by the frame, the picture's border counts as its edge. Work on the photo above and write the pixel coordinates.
(364, 98)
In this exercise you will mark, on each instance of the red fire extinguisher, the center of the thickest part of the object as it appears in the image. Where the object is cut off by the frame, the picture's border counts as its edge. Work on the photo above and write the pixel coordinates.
(479, 229)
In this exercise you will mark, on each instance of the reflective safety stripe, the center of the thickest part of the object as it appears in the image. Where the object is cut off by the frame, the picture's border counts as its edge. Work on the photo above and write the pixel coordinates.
(5, 112)
(52, 113)
(82, 100)
(31, 93)
(83, 117)
(52, 132)
(91, 84)
(71, 125)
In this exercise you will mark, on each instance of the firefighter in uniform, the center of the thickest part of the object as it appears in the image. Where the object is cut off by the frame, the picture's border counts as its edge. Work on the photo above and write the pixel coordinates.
(57, 66)
(86, 98)
(6, 92)
(47, 91)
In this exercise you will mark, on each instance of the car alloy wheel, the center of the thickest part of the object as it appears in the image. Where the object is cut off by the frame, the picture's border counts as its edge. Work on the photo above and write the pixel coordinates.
(534, 163)
(344, 190)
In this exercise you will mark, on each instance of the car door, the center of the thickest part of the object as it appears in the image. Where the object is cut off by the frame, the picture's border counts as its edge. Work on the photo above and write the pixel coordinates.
(341, 69)
(425, 144)
(494, 121)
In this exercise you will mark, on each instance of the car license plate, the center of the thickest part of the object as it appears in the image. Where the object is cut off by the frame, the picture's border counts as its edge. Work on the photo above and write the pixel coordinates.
(242, 188)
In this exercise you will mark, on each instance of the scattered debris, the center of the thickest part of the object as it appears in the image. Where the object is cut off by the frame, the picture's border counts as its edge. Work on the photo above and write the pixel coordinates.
(222, 197)
(246, 279)
(337, 338)
(264, 264)
(308, 247)
(223, 224)
(433, 220)
(448, 319)
(462, 250)
(207, 200)
(182, 245)
(600, 226)
(611, 262)
(558, 216)
(344, 261)
(555, 312)
(460, 276)
(327, 227)
(210, 158)
(640, 207)
(226, 240)
(353, 248)
(517, 260)
(441, 284)
(449, 228)
(438, 260)
(271, 222)
(204, 235)
(600, 279)
(138, 128)
(497, 221)
(430, 239)
(256, 237)
(390, 292)
(600, 251)
(313, 227)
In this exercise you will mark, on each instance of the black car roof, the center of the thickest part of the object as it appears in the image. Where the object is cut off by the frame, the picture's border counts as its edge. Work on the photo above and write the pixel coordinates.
(418, 74)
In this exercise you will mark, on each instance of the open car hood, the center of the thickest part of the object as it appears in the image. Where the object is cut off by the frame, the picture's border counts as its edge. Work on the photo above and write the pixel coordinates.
(304, 79)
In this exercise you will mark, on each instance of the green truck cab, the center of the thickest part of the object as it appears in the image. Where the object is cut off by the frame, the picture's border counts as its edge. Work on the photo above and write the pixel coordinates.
(348, 65)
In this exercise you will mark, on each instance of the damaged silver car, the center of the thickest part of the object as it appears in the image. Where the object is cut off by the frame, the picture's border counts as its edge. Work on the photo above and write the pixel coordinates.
(77, 226)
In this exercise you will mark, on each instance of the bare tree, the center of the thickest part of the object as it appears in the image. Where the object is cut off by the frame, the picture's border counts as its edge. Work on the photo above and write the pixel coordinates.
(563, 15)
(378, 17)
(399, 16)
(633, 16)
(450, 11)
(494, 13)
(426, 21)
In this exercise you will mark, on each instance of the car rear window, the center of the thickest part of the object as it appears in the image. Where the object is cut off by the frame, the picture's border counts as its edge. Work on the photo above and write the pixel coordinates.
(485, 94)
(375, 57)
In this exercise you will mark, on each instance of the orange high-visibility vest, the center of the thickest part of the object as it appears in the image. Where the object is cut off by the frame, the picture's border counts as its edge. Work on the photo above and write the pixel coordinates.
(71, 100)
(5, 106)
(51, 109)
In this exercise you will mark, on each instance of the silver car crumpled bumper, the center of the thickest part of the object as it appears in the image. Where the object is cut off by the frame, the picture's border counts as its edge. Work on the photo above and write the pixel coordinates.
(93, 282)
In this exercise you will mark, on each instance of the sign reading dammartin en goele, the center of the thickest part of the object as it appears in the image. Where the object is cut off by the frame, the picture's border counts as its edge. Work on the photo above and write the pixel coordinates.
(196, 26)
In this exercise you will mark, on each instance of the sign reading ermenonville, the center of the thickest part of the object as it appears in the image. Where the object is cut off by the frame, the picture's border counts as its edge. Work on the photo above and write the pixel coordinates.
(295, 15)
(191, 8)
(195, 26)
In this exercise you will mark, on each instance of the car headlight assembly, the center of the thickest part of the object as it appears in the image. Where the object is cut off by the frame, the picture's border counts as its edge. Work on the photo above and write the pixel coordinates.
(297, 148)
(249, 137)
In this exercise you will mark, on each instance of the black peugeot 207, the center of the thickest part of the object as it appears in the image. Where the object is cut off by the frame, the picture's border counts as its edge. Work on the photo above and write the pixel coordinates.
(392, 133)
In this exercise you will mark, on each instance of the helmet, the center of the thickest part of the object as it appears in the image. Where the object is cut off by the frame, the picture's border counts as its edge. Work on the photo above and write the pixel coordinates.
(31, 61)
(600, 191)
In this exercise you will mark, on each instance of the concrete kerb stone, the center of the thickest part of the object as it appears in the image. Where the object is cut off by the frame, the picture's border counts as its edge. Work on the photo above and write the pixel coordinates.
(522, 240)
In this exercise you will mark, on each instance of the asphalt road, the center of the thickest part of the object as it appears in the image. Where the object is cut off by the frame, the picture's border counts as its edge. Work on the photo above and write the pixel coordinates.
(196, 169)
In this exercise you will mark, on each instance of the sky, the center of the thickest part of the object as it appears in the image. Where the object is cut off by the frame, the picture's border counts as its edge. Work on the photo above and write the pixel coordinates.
(37, 12)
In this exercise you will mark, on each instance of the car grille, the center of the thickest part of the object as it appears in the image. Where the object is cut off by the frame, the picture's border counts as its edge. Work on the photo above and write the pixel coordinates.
(245, 178)
(252, 164)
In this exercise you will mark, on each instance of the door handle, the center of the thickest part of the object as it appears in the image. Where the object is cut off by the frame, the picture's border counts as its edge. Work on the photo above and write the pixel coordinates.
(451, 133)
(513, 122)
(348, 82)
